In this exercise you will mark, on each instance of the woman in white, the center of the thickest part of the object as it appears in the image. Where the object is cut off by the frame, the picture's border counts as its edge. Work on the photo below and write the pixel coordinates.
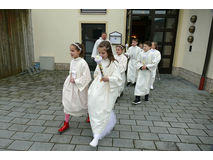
(103, 93)
(132, 53)
(145, 64)
(75, 89)
(157, 60)
(122, 60)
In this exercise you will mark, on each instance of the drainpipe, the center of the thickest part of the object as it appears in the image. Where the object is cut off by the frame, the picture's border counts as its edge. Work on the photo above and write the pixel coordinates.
(208, 54)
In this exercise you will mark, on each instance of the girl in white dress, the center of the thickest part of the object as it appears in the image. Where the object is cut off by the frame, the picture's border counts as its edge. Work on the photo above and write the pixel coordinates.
(122, 60)
(103, 93)
(75, 89)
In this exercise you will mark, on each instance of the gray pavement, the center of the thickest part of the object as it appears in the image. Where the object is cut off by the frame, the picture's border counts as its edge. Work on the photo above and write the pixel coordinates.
(177, 117)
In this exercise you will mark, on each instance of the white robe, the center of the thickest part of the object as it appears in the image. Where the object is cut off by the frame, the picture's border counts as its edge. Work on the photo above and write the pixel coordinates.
(157, 56)
(75, 95)
(95, 48)
(122, 66)
(102, 97)
(142, 87)
(132, 54)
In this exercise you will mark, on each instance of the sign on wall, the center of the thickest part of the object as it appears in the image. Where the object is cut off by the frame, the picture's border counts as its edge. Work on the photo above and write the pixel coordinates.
(115, 37)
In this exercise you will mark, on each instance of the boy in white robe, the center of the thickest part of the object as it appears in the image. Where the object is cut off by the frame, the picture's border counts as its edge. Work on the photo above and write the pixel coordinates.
(132, 53)
(141, 46)
(75, 89)
(103, 93)
(145, 64)
(157, 60)
(97, 42)
(122, 60)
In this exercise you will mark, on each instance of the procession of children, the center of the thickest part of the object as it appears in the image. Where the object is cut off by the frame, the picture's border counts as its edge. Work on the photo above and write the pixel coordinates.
(97, 100)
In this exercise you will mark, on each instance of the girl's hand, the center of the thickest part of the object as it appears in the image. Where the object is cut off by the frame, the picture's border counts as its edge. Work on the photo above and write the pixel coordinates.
(72, 80)
(105, 79)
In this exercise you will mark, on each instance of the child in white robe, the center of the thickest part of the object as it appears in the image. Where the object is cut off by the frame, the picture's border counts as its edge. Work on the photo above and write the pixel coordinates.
(157, 60)
(103, 93)
(75, 89)
(145, 64)
(122, 60)
(132, 53)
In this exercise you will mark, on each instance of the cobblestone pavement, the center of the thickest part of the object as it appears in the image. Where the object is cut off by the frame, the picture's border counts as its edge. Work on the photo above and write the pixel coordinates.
(177, 117)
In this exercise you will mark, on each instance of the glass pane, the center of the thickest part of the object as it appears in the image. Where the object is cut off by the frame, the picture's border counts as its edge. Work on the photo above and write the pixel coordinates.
(160, 12)
(167, 50)
(136, 18)
(169, 36)
(165, 62)
(140, 12)
(89, 46)
(170, 23)
(158, 36)
(172, 11)
(159, 22)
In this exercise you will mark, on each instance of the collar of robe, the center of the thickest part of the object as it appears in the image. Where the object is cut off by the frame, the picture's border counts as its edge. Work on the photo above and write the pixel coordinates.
(76, 59)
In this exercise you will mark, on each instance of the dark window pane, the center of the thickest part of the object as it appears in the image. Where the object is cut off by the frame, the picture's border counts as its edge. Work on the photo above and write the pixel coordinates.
(169, 36)
(159, 23)
(140, 12)
(165, 63)
(172, 11)
(160, 12)
(167, 50)
(158, 36)
(93, 10)
(170, 23)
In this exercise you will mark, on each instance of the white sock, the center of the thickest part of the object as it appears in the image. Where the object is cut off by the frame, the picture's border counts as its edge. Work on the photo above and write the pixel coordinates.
(94, 142)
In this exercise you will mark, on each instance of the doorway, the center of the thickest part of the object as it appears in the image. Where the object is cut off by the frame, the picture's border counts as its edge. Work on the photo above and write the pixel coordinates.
(155, 25)
(90, 33)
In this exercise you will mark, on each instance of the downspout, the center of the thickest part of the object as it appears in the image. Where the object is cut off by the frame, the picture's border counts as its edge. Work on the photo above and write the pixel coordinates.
(208, 54)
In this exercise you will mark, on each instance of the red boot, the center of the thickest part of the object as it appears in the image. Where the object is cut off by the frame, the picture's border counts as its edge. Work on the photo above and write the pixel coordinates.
(64, 127)
(88, 120)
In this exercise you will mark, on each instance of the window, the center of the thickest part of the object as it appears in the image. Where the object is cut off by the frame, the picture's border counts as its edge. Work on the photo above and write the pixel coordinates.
(94, 11)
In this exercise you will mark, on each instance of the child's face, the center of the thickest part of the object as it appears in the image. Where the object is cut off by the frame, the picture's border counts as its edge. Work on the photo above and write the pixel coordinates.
(146, 47)
(153, 45)
(103, 53)
(118, 51)
(73, 52)
(134, 43)
(141, 46)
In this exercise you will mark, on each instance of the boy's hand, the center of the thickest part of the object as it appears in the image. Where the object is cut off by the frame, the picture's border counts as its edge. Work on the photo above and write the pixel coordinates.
(72, 80)
(144, 68)
(105, 79)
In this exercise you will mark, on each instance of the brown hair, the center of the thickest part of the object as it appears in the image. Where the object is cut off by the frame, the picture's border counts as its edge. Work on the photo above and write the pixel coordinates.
(82, 53)
(121, 47)
(108, 47)
(148, 43)
(135, 39)
(156, 45)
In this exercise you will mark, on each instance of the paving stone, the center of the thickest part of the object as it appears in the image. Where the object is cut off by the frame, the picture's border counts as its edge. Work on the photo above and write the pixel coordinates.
(141, 117)
(31, 116)
(144, 123)
(129, 135)
(206, 140)
(83, 125)
(16, 114)
(85, 148)
(39, 137)
(6, 119)
(6, 133)
(209, 132)
(122, 127)
(177, 131)
(140, 128)
(144, 144)
(61, 139)
(153, 118)
(36, 129)
(47, 117)
(161, 124)
(86, 132)
(113, 134)
(81, 140)
(168, 137)
(205, 147)
(47, 112)
(196, 132)
(126, 143)
(4, 143)
(52, 130)
(129, 149)
(63, 147)
(189, 139)
(127, 122)
(4, 125)
(18, 127)
(158, 130)
(102, 148)
(22, 136)
(20, 120)
(105, 142)
(166, 146)
(122, 116)
(39, 146)
(36, 122)
(53, 123)
(187, 147)
(196, 126)
(20, 145)
(148, 136)
(179, 125)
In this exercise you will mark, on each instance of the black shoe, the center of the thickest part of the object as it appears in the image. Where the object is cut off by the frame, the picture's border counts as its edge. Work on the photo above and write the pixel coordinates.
(134, 84)
(147, 97)
(128, 84)
(137, 100)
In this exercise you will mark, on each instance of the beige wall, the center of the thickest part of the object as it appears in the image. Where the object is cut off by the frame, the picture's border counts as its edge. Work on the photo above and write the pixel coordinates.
(194, 60)
(55, 30)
